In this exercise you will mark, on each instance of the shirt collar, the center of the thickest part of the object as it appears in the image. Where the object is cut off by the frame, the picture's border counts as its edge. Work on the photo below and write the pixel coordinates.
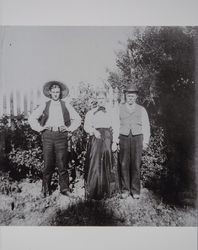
(55, 102)
(131, 108)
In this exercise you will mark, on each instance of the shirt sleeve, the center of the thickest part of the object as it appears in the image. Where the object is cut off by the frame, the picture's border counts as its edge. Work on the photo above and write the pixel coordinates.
(33, 118)
(88, 124)
(115, 124)
(145, 126)
(74, 117)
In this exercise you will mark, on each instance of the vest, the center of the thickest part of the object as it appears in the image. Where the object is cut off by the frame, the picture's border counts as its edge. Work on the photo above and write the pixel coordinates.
(131, 121)
(44, 117)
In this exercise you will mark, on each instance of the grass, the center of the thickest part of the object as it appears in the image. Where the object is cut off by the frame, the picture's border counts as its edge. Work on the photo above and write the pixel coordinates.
(86, 213)
(23, 205)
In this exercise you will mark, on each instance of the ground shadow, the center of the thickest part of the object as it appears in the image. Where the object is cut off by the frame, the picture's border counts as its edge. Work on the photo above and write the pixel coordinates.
(86, 213)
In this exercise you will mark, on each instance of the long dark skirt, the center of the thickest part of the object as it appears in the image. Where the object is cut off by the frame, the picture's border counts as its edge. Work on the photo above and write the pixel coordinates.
(99, 177)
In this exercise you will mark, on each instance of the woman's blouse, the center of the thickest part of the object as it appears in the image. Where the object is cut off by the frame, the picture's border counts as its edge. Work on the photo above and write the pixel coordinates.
(102, 118)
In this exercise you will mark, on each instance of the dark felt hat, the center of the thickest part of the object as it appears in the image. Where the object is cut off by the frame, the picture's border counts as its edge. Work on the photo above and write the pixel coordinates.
(63, 87)
(131, 88)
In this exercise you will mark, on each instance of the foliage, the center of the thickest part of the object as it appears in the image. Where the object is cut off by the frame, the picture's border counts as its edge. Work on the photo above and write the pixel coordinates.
(27, 163)
(24, 146)
(86, 99)
(26, 207)
(161, 62)
(19, 134)
(154, 171)
(7, 185)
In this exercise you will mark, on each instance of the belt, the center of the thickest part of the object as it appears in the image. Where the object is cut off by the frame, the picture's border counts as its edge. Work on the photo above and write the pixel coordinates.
(55, 129)
(130, 135)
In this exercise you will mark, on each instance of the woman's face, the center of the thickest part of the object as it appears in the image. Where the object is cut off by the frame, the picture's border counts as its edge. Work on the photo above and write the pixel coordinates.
(101, 99)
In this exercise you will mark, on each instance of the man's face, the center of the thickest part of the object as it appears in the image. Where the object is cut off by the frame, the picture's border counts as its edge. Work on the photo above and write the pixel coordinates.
(55, 93)
(101, 99)
(131, 98)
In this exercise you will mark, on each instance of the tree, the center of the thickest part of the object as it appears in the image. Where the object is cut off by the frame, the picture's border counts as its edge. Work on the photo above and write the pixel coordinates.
(161, 62)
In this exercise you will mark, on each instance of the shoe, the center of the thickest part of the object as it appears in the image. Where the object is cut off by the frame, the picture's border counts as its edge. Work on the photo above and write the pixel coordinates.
(67, 193)
(136, 196)
(124, 194)
(45, 192)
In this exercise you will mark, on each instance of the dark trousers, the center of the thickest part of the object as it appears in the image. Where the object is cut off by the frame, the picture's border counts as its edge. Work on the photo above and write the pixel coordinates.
(55, 154)
(129, 162)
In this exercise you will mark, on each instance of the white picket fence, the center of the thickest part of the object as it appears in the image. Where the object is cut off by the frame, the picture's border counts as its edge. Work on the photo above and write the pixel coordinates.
(16, 102)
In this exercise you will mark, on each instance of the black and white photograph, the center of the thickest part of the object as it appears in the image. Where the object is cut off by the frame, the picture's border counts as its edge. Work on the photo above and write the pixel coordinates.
(97, 126)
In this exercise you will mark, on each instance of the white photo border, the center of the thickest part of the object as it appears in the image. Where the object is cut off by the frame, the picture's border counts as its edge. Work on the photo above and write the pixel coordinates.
(98, 13)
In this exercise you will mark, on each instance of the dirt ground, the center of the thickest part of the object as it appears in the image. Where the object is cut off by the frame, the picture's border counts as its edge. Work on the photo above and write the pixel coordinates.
(26, 207)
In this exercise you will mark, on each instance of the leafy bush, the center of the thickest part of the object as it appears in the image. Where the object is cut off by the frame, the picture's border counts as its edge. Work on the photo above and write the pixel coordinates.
(22, 147)
(154, 171)
(161, 62)
(26, 163)
(7, 185)
(24, 152)
(25, 155)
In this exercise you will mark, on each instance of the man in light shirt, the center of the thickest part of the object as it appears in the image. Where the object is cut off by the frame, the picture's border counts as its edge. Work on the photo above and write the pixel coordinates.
(56, 120)
(134, 137)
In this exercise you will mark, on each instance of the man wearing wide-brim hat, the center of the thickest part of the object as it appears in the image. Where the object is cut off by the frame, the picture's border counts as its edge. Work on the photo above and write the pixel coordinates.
(134, 137)
(55, 119)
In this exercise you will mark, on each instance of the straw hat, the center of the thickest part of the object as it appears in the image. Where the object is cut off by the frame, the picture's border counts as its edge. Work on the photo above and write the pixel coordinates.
(64, 89)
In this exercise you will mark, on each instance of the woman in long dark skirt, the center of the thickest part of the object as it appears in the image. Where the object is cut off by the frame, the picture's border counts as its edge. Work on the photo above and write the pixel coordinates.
(102, 124)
